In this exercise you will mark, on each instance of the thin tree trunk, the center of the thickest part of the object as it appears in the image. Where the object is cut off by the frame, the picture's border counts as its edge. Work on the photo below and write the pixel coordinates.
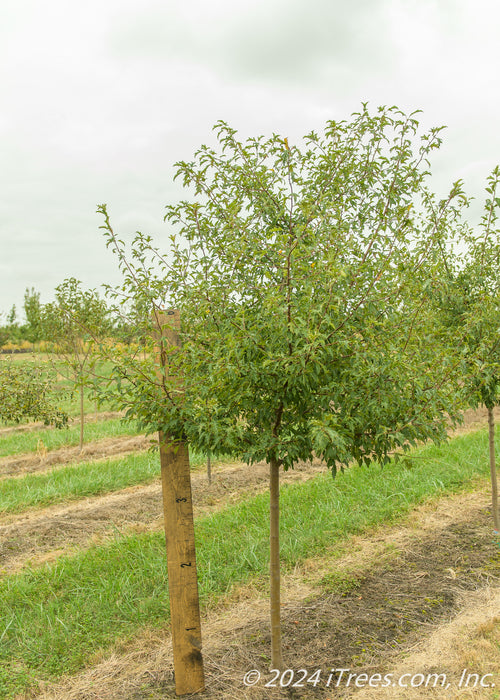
(276, 657)
(82, 417)
(209, 468)
(493, 469)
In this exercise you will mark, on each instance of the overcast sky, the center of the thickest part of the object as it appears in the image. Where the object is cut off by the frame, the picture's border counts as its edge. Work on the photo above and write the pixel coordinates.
(100, 98)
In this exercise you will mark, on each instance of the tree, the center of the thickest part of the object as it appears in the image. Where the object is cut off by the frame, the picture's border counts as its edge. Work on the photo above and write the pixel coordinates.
(10, 333)
(75, 323)
(4, 333)
(25, 394)
(33, 312)
(12, 316)
(470, 312)
(313, 336)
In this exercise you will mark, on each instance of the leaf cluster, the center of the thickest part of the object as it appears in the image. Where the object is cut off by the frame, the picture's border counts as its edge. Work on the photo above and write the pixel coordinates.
(469, 303)
(26, 394)
(303, 277)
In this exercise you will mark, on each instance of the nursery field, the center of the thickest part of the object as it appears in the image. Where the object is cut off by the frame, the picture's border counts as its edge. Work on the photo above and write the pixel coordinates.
(391, 576)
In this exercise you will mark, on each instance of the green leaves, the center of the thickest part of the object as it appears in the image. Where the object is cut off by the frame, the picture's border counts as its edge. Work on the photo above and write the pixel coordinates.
(25, 394)
(469, 303)
(303, 275)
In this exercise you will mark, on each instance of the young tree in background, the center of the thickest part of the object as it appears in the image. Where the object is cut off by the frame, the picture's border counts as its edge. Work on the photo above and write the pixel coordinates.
(10, 332)
(12, 316)
(302, 276)
(470, 313)
(25, 394)
(75, 322)
(32, 330)
(4, 333)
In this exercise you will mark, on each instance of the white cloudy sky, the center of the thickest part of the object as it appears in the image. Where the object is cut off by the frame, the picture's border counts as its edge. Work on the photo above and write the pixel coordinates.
(100, 98)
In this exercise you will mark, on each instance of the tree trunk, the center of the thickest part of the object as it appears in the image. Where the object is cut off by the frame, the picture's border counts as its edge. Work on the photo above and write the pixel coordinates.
(209, 468)
(493, 469)
(82, 417)
(276, 657)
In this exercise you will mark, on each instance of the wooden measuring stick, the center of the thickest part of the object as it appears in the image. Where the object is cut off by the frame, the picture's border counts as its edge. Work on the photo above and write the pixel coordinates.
(179, 535)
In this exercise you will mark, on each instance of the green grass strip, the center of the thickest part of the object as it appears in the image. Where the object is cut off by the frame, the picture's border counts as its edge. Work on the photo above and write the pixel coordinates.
(52, 438)
(78, 480)
(81, 480)
(53, 619)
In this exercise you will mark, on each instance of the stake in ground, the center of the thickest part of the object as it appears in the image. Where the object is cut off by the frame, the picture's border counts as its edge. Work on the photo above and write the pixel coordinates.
(179, 534)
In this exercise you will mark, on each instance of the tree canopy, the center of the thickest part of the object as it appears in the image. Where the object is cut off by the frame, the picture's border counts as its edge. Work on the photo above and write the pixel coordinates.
(301, 277)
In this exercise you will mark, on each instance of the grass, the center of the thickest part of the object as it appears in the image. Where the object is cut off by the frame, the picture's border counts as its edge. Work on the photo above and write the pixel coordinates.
(81, 480)
(53, 438)
(55, 618)
(78, 480)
